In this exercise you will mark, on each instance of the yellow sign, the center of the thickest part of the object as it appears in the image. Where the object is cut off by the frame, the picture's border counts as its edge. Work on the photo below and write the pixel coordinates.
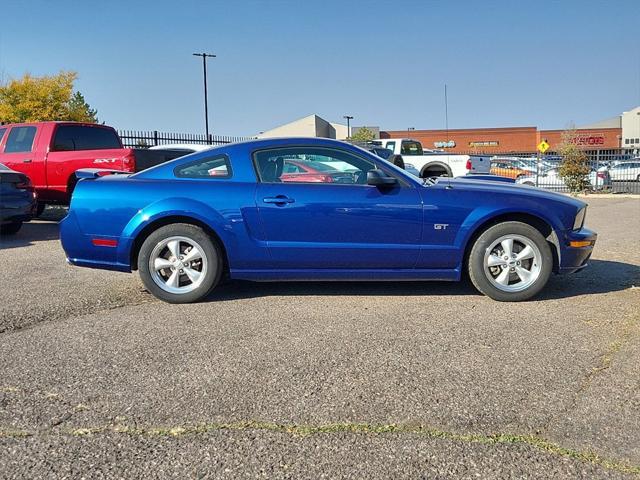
(543, 146)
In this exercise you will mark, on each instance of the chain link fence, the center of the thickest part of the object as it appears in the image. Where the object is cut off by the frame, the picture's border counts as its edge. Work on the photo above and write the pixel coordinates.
(612, 171)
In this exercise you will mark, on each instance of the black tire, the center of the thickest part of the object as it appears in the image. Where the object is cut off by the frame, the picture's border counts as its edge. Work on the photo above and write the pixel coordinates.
(479, 276)
(210, 251)
(40, 208)
(10, 228)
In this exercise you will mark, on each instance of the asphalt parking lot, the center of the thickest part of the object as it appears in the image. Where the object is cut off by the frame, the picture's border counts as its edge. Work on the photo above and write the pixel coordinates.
(376, 380)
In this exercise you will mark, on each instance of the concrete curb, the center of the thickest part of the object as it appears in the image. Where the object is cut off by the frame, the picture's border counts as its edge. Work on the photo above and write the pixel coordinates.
(605, 195)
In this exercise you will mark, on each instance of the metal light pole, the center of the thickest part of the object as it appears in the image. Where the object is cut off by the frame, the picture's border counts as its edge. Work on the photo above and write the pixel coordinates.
(410, 129)
(206, 105)
(349, 118)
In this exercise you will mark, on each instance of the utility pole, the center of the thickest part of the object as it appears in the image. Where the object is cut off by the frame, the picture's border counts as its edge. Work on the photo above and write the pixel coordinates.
(206, 106)
(349, 118)
(446, 112)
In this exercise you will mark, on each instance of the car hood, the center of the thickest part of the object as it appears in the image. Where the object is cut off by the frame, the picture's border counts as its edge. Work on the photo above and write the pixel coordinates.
(488, 186)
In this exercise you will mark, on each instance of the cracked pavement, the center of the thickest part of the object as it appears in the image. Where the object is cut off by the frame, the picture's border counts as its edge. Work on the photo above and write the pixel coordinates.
(99, 379)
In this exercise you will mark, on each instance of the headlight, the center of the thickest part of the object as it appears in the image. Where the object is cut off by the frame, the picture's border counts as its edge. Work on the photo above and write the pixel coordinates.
(579, 221)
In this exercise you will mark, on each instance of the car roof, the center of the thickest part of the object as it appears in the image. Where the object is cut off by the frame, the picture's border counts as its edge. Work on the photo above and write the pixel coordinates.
(55, 122)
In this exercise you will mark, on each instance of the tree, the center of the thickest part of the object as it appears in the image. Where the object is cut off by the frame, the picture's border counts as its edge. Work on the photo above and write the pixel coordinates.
(574, 168)
(80, 111)
(34, 99)
(363, 134)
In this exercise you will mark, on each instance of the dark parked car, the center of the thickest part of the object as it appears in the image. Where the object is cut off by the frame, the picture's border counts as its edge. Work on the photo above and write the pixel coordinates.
(17, 200)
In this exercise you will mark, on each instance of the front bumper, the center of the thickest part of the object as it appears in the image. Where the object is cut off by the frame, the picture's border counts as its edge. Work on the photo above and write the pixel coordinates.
(576, 249)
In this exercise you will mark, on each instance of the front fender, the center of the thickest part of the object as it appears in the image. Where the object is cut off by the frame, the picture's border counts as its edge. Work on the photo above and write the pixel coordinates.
(482, 215)
(165, 208)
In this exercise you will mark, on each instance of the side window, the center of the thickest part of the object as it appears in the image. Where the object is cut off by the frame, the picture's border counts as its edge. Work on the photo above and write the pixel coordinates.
(82, 137)
(211, 167)
(2, 130)
(312, 165)
(391, 146)
(20, 139)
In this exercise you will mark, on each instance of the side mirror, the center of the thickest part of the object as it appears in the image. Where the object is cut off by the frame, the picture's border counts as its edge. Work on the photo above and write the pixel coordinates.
(378, 178)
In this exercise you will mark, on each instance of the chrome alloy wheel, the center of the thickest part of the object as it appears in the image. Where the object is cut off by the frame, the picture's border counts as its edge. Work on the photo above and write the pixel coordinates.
(512, 263)
(178, 265)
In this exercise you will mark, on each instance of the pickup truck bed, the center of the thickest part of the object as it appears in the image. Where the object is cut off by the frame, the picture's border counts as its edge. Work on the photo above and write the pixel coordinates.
(49, 153)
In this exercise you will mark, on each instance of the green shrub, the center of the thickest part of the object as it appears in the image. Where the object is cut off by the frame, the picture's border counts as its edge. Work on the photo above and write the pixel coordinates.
(574, 168)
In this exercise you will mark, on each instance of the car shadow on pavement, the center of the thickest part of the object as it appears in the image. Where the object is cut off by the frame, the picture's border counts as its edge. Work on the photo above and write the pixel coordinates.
(44, 228)
(235, 289)
(34, 231)
(600, 276)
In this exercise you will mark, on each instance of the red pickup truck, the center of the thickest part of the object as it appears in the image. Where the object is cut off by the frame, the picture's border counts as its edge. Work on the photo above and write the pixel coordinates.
(51, 152)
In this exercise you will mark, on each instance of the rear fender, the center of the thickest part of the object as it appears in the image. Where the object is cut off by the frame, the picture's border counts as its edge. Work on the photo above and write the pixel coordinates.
(170, 207)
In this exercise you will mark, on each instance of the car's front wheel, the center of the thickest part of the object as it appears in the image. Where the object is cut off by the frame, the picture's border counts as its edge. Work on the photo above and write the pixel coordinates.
(510, 262)
(179, 263)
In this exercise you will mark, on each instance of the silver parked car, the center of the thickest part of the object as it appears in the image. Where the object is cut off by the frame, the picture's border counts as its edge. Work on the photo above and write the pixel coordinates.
(628, 171)
(551, 180)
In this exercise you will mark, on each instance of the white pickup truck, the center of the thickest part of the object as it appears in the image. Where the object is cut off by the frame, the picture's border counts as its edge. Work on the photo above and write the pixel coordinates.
(432, 163)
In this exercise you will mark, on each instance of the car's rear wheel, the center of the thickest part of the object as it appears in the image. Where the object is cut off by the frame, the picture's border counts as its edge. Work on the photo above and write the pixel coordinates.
(179, 263)
(10, 228)
(510, 262)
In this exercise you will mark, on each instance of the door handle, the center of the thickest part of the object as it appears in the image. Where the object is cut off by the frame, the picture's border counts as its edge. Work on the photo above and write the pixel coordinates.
(278, 200)
(26, 160)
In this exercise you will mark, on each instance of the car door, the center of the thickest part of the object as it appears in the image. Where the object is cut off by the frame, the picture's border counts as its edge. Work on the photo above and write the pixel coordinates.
(341, 223)
(19, 155)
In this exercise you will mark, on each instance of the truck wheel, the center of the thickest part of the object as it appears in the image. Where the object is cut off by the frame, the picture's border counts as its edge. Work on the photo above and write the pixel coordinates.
(10, 228)
(510, 262)
(40, 208)
(179, 263)
(436, 170)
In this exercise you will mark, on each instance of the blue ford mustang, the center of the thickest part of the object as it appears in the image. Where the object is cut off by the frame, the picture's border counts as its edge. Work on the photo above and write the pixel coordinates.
(253, 211)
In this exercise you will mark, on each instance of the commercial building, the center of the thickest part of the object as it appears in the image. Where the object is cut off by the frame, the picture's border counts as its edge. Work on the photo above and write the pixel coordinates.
(621, 131)
(309, 126)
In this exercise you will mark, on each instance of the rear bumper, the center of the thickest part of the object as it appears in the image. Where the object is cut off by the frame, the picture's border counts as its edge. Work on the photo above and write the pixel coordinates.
(80, 250)
(22, 212)
(574, 258)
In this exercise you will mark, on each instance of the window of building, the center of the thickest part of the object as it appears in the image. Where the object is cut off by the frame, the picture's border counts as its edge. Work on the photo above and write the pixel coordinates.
(20, 139)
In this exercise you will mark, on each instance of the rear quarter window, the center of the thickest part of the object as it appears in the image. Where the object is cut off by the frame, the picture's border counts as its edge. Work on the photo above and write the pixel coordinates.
(84, 137)
(205, 168)
(2, 130)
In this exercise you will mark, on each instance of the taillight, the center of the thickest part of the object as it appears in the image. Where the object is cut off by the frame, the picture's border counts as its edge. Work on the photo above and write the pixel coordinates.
(601, 175)
(469, 164)
(25, 185)
(326, 179)
(129, 162)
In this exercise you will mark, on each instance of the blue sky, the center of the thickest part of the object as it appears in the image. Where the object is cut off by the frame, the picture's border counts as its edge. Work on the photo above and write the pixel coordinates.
(506, 63)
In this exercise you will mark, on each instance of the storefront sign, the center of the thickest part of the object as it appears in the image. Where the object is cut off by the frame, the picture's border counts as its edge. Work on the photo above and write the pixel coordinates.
(588, 139)
(449, 144)
(484, 143)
